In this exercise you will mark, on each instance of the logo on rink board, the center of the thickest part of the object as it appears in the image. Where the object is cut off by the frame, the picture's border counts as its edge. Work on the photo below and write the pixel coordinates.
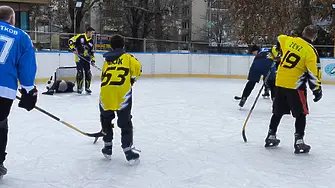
(330, 69)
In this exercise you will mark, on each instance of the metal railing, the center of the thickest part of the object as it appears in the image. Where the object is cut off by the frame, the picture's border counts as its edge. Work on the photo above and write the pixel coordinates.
(53, 41)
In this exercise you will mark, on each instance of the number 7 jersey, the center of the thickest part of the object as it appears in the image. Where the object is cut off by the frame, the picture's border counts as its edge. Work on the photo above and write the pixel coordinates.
(299, 64)
(117, 71)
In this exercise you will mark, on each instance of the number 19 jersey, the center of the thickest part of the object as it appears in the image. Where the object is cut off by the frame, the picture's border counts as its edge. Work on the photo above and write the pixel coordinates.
(299, 64)
(116, 88)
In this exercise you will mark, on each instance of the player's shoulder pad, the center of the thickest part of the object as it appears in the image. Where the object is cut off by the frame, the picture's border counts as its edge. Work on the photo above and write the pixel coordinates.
(113, 55)
(281, 37)
(131, 55)
(275, 51)
(315, 52)
(264, 50)
(75, 37)
(26, 37)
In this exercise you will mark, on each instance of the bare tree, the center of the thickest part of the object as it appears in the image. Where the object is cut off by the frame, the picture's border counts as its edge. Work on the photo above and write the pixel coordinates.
(323, 10)
(252, 22)
(141, 19)
(80, 12)
(61, 16)
(218, 27)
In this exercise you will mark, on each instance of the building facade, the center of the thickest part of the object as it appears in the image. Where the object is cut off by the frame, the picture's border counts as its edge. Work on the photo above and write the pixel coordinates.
(21, 8)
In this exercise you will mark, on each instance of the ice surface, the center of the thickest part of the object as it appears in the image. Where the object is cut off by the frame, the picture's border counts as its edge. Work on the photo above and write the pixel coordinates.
(189, 131)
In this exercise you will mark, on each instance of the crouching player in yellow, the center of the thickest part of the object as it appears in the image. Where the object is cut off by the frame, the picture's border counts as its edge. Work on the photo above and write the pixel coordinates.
(119, 72)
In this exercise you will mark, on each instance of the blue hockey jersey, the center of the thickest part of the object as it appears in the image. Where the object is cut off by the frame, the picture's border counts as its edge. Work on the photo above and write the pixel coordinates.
(263, 60)
(17, 60)
(262, 64)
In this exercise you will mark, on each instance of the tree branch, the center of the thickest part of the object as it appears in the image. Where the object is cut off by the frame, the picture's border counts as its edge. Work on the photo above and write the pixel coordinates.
(89, 7)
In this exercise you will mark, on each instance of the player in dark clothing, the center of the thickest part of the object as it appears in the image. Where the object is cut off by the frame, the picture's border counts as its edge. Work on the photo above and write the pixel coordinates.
(261, 65)
(59, 86)
(82, 47)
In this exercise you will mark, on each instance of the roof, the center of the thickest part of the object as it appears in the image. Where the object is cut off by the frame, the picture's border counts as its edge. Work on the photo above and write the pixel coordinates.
(27, 1)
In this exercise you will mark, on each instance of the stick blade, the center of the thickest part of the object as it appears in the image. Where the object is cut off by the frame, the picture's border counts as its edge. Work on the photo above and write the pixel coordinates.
(95, 140)
(237, 98)
(244, 136)
(98, 134)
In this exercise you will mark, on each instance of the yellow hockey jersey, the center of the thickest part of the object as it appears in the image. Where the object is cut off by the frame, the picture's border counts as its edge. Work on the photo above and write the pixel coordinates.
(300, 63)
(116, 88)
(83, 45)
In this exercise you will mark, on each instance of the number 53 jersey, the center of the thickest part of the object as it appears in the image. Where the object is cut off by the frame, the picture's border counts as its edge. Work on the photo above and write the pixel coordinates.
(299, 64)
(116, 88)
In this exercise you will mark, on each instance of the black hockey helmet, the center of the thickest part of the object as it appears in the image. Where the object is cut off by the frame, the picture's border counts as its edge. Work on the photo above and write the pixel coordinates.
(254, 48)
(90, 29)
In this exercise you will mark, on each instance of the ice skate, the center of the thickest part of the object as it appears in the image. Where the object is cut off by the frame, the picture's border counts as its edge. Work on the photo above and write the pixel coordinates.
(266, 94)
(242, 102)
(271, 141)
(300, 146)
(88, 91)
(107, 151)
(3, 170)
(79, 90)
(131, 156)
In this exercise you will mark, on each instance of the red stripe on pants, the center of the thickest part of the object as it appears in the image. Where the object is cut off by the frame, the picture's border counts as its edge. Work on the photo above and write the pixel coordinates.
(303, 100)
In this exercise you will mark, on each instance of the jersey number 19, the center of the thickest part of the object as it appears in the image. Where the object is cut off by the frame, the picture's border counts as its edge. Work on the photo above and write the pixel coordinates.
(290, 60)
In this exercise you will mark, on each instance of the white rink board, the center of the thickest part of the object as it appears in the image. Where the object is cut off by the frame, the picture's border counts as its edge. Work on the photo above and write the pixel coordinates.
(240, 65)
(171, 63)
(147, 62)
(218, 65)
(200, 64)
(179, 64)
(162, 63)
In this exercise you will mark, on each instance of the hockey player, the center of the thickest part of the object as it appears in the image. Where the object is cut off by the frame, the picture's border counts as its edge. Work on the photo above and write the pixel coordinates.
(17, 64)
(261, 65)
(300, 64)
(82, 47)
(60, 86)
(119, 73)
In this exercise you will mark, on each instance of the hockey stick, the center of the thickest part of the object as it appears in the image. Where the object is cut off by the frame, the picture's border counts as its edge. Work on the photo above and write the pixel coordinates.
(253, 105)
(97, 67)
(237, 98)
(96, 135)
(81, 57)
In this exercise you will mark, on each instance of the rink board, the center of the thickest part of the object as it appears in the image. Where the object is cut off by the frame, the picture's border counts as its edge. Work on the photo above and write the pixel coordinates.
(174, 65)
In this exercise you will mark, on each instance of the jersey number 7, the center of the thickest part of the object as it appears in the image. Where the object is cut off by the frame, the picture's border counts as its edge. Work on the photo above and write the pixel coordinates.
(107, 76)
(290, 60)
(7, 46)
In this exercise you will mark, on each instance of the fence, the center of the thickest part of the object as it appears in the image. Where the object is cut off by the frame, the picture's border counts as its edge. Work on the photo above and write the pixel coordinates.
(52, 41)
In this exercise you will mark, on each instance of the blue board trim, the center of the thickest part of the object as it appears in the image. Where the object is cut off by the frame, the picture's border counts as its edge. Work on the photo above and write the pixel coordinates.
(167, 53)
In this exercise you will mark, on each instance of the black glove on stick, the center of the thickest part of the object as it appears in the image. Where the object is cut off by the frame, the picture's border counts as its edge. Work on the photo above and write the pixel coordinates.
(28, 100)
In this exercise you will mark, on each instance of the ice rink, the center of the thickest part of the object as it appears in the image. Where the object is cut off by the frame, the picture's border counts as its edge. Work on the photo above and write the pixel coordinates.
(189, 131)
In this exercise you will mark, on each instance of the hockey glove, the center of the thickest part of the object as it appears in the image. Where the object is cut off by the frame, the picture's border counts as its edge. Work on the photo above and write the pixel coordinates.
(93, 63)
(28, 100)
(317, 95)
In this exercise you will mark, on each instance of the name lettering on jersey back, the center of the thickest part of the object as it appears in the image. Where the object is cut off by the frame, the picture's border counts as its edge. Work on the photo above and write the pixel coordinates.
(295, 46)
(116, 62)
(9, 30)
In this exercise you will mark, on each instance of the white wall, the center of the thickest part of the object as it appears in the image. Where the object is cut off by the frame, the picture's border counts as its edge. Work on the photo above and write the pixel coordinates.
(172, 63)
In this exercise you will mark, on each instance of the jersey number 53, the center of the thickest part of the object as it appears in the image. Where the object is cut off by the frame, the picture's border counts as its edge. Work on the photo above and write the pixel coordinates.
(114, 76)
